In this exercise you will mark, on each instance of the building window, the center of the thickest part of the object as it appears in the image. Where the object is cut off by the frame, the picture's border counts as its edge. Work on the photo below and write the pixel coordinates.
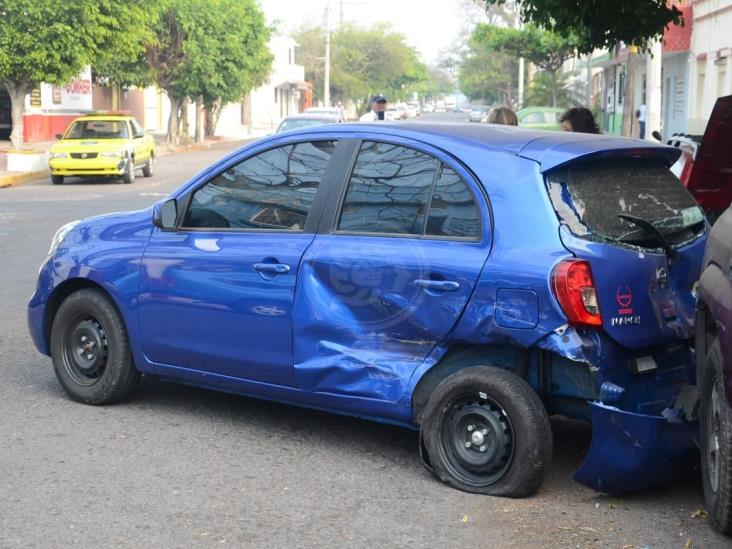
(700, 80)
(721, 64)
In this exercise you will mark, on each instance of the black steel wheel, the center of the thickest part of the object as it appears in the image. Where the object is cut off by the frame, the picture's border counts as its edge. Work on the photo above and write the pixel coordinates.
(90, 350)
(716, 443)
(485, 431)
(149, 168)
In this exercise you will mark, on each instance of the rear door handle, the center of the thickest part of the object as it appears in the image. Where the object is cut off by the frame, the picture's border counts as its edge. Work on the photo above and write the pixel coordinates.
(272, 268)
(439, 285)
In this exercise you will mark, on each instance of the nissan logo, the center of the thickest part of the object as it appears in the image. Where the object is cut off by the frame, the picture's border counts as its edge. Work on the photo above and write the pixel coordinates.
(83, 155)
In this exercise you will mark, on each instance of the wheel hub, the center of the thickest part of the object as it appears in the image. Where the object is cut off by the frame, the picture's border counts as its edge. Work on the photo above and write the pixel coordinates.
(86, 351)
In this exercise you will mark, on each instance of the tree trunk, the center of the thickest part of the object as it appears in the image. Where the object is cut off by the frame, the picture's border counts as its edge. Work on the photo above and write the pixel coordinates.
(554, 77)
(200, 130)
(173, 136)
(17, 92)
(185, 137)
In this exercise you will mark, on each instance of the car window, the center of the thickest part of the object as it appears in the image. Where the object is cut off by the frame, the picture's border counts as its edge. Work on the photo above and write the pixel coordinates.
(389, 190)
(589, 197)
(98, 129)
(272, 190)
(453, 211)
(552, 117)
(533, 118)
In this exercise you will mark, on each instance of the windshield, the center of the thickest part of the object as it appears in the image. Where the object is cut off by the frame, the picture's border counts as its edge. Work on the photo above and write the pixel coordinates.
(589, 197)
(98, 129)
(302, 123)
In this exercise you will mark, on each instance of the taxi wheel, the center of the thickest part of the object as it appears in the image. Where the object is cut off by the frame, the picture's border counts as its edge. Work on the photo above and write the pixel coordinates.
(57, 179)
(129, 175)
(90, 350)
(486, 431)
(149, 169)
(716, 443)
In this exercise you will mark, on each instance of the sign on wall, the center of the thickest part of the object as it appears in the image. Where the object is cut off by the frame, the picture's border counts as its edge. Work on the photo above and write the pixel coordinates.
(74, 96)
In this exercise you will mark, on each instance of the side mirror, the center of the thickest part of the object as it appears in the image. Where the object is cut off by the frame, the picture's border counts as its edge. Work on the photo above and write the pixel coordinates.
(165, 214)
(58, 136)
(138, 135)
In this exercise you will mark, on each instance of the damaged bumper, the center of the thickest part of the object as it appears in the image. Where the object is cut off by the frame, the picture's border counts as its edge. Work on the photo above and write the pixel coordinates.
(631, 452)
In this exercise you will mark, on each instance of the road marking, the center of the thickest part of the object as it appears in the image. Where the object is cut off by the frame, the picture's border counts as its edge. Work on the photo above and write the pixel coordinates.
(152, 194)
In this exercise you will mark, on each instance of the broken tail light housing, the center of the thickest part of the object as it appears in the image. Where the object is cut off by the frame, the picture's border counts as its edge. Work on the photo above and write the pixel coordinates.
(575, 290)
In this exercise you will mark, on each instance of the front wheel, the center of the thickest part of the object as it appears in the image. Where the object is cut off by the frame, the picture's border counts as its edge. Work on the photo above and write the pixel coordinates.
(716, 443)
(129, 175)
(57, 179)
(485, 431)
(90, 350)
(149, 168)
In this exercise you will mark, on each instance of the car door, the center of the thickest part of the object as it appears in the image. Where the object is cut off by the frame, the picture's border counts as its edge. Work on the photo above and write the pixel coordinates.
(391, 269)
(139, 143)
(216, 295)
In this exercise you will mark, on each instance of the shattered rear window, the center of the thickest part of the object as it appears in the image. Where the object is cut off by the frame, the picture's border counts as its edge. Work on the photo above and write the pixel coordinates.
(589, 197)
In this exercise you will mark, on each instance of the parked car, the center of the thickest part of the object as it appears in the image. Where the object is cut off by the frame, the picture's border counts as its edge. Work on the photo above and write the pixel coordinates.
(428, 107)
(106, 143)
(393, 114)
(413, 111)
(540, 118)
(479, 114)
(703, 166)
(714, 372)
(466, 294)
(306, 120)
(328, 110)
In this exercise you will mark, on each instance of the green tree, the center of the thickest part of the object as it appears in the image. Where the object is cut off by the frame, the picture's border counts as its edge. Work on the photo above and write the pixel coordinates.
(197, 53)
(53, 40)
(600, 24)
(488, 74)
(549, 87)
(547, 50)
(363, 62)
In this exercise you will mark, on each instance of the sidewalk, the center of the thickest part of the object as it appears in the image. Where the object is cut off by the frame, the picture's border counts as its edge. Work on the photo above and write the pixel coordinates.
(13, 178)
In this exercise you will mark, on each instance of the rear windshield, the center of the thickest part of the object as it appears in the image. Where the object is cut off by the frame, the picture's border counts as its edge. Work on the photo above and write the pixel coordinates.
(589, 197)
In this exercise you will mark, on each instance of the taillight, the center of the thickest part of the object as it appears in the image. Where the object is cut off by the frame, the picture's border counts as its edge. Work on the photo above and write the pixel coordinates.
(575, 290)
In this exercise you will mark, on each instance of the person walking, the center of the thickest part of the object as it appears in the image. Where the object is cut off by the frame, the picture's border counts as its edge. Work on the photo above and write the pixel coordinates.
(640, 114)
(579, 119)
(378, 107)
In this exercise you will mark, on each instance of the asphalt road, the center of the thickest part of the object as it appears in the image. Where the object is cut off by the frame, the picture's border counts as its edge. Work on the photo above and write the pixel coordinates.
(184, 467)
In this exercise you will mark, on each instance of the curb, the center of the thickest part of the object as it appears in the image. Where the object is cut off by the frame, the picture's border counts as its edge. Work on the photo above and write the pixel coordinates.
(20, 178)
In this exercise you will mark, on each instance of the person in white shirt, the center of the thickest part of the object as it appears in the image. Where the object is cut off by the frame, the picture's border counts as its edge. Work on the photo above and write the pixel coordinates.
(640, 114)
(378, 106)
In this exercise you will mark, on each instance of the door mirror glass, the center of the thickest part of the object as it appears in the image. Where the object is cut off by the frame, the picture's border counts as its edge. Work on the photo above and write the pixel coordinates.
(59, 136)
(165, 214)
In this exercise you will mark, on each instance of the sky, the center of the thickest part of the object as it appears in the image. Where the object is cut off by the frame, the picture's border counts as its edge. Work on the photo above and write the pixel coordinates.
(429, 25)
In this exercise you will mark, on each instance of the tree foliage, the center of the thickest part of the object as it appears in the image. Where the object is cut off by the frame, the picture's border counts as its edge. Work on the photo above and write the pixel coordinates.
(599, 23)
(53, 40)
(488, 74)
(552, 89)
(545, 49)
(363, 62)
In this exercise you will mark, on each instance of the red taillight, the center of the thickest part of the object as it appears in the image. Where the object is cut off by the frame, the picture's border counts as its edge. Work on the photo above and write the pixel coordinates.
(575, 290)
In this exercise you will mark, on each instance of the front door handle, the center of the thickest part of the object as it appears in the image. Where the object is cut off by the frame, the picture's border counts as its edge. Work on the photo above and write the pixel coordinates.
(439, 285)
(272, 268)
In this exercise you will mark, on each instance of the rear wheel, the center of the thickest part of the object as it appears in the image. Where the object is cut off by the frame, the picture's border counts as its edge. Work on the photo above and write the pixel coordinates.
(129, 175)
(149, 168)
(486, 431)
(90, 350)
(57, 179)
(716, 443)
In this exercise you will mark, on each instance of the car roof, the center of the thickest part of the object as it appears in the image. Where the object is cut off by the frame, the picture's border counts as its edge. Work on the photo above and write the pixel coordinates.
(549, 148)
(102, 117)
(312, 116)
(540, 109)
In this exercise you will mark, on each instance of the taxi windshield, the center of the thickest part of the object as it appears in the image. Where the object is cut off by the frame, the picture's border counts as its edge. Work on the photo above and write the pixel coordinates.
(98, 129)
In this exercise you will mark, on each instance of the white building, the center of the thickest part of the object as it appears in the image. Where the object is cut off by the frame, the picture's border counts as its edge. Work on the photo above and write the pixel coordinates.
(710, 63)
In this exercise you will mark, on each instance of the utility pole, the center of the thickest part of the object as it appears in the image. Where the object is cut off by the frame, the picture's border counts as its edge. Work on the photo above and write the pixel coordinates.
(653, 97)
(326, 78)
(520, 99)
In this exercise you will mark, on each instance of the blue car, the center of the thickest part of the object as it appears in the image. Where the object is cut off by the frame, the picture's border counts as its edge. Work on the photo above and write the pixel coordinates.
(465, 281)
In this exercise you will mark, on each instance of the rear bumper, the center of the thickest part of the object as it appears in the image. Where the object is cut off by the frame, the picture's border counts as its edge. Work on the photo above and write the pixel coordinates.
(631, 452)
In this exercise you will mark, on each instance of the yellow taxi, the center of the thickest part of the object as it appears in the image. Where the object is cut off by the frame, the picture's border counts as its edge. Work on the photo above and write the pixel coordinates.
(104, 143)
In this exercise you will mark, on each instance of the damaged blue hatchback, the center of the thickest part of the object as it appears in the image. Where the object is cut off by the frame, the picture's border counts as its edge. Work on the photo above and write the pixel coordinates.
(464, 281)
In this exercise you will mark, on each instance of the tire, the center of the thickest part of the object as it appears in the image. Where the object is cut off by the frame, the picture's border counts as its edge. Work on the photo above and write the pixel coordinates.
(129, 175)
(502, 419)
(149, 168)
(57, 179)
(88, 322)
(716, 458)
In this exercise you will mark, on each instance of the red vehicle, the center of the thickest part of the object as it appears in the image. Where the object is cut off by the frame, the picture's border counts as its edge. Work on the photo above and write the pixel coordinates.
(710, 180)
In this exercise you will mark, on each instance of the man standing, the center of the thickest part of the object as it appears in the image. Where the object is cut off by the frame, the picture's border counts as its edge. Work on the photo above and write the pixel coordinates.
(378, 107)
(641, 116)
